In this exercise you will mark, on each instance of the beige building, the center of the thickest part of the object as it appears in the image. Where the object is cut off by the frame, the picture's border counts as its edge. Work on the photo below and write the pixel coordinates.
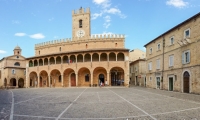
(138, 72)
(12, 70)
(173, 58)
(84, 60)
(136, 54)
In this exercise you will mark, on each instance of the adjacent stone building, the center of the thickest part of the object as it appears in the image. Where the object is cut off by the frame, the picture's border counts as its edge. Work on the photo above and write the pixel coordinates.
(173, 58)
(138, 72)
(84, 60)
(13, 70)
(136, 54)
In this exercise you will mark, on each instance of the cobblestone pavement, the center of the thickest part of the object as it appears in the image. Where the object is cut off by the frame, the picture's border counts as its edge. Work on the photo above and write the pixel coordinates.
(98, 104)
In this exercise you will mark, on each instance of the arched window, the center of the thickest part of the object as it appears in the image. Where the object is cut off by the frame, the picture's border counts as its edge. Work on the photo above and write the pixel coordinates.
(60, 48)
(87, 78)
(39, 52)
(80, 23)
(17, 64)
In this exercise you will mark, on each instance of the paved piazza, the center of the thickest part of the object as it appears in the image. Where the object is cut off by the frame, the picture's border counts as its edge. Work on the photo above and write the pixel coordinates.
(98, 104)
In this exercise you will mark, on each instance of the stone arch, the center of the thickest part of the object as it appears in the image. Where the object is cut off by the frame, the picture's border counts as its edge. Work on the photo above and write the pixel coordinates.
(33, 81)
(112, 56)
(30, 63)
(120, 57)
(87, 57)
(82, 72)
(46, 61)
(117, 76)
(103, 57)
(54, 78)
(96, 75)
(44, 79)
(52, 61)
(72, 59)
(80, 58)
(95, 57)
(186, 82)
(13, 82)
(40, 62)
(58, 60)
(35, 63)
(65, 59)
(21, 83)
(68, 78)
(17, 64)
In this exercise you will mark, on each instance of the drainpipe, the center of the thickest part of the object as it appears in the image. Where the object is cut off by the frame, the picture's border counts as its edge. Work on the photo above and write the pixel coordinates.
(163, 61)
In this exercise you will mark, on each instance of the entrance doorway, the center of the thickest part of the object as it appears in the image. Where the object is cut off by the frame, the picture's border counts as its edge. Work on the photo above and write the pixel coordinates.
(31, 82)
(158, 82)
(73, 79)
(171, 84)
(5, 82)
(21, 83)
(101, 79)
(13, 82)
(186, 82)
(145, 82)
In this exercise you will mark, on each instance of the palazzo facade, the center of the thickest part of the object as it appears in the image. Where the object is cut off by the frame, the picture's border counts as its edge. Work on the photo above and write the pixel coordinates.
(173, 58)
(83, 60)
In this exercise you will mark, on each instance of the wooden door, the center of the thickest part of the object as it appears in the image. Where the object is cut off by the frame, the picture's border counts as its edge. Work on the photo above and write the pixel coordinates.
(73, 79)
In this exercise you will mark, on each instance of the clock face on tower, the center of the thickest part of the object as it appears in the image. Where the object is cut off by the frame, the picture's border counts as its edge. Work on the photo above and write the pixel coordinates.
(80, 33)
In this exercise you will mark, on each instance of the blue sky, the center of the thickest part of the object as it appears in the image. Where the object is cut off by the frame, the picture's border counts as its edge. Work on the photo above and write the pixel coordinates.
(29, 22)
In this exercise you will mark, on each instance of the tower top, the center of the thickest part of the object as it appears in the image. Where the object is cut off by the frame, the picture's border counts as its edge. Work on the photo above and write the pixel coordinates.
(80, 11)
(17, 50)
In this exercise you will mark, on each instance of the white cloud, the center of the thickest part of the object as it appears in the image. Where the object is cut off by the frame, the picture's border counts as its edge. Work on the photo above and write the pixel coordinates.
(177, 3)
(37, 36)
(96, 15)
(103, 3)
(116, 11)
(2, 52)
(107, 18)
(106, 25)
(51, 19)
(20, 34)
(15, 22)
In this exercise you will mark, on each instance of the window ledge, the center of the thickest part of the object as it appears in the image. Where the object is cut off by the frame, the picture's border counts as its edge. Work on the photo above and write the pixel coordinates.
(158, 50)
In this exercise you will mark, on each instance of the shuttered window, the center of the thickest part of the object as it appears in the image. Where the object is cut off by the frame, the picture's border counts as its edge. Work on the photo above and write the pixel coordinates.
(171, 60)
(158, 64)
(186, 57)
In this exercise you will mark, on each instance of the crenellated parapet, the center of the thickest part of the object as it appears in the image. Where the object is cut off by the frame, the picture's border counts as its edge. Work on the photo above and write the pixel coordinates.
(80, 11)
(95, 37)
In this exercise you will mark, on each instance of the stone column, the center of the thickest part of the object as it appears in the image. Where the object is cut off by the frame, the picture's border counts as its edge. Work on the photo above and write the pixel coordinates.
(16, 83)
(49, 81)
(92, 79)
(62, 79)
(77, 80)
(108, 79)
(38, 81)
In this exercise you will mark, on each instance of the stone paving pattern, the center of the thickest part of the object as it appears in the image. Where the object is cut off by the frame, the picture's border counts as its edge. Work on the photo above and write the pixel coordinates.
(99, 103)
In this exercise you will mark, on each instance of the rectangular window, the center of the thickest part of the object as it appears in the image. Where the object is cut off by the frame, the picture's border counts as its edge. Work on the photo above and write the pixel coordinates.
(150, 78)
(24, 72)
(13, 71)
(150, 66)
(171, 40)
(150, 51)
(158, 46)
(158, 64)
(171, 60)
(186, 57)
(187, 33)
